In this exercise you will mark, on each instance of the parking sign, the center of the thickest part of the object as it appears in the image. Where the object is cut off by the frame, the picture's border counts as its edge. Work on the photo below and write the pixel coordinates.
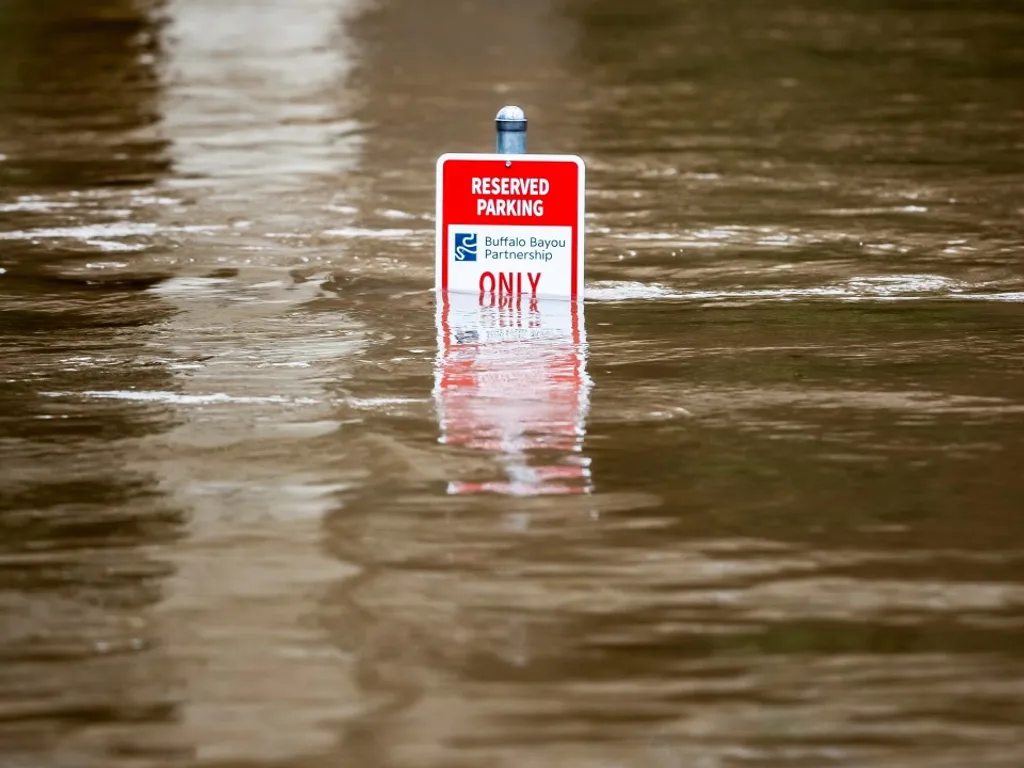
(510, 225)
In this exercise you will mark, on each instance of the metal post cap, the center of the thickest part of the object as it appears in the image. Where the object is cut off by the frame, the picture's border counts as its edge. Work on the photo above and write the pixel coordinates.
(511, 119)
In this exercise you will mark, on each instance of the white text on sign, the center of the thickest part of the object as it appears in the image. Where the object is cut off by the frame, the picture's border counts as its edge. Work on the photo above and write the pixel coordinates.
(509, 186)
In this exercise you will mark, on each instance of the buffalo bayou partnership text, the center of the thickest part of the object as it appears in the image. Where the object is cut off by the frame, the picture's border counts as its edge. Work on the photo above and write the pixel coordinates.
(539, 248)
(508, 205)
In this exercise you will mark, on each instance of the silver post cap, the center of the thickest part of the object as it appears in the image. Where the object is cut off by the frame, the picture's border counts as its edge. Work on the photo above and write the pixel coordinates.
(511, 118)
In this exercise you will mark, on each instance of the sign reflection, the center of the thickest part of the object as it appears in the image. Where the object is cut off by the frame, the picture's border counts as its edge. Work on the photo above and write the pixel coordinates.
(511, 380)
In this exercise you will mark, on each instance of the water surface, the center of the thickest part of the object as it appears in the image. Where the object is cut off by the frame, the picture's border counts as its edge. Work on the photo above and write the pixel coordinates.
(757, 502)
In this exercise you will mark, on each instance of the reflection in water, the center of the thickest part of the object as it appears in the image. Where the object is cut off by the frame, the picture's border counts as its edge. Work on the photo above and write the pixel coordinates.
(84, 678)
(252, 93)
(79, 96)
(251, 103)
(511, 379)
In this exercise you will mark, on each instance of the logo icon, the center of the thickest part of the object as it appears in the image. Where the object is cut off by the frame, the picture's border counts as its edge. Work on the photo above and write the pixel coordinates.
(465, 246)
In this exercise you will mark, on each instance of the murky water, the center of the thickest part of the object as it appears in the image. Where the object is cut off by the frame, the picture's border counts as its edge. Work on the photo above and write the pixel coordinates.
(758, 503)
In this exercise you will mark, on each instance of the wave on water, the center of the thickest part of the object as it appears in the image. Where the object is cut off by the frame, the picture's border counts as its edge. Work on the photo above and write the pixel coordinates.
(180, 399)
(95, 231)
(883, 288)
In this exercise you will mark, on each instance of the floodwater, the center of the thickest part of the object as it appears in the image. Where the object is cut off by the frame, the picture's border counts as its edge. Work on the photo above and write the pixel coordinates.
(761, 503)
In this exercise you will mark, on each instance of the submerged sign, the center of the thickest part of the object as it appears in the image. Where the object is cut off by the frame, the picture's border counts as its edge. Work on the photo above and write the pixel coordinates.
(522, 406)
(510, 225)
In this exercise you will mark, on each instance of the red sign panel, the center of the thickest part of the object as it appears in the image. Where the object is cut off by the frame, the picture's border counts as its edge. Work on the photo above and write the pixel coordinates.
(510, 225)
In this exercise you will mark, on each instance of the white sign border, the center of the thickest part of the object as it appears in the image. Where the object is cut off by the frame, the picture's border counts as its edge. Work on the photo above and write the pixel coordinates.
(439, 206)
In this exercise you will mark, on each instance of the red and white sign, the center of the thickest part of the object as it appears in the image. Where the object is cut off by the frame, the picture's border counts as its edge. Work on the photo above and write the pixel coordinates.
(510, 225)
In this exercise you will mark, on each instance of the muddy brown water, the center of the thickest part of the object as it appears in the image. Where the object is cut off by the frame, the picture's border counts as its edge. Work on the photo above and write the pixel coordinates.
(764, 508)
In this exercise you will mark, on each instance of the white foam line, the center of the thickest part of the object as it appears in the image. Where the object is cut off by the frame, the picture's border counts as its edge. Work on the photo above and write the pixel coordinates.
(1011, 296)
(374, 402)
(384, 234)
(873, 211)
(25, 205)
(115, 246)
(899, 288)
(179, 399)
(95, 231)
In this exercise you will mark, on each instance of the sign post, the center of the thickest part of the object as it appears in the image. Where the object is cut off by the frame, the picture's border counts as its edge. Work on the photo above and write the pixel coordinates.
(510, 378)
(510, 224)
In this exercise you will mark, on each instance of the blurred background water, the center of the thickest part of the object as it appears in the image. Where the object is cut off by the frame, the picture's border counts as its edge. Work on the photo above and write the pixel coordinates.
(759, 504)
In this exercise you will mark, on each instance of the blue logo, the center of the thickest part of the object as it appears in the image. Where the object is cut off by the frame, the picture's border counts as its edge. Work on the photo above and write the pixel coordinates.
(465, 246)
